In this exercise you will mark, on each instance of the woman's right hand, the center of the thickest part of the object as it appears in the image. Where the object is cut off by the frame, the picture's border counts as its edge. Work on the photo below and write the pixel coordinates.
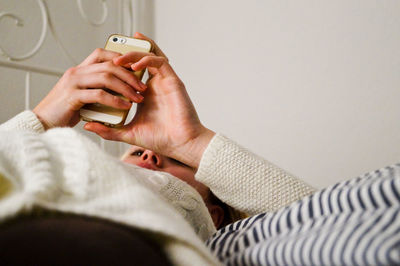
(166, 121)
(84, 84)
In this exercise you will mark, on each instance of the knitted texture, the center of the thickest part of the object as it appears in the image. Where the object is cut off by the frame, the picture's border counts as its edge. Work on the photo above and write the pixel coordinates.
(246, 181)
(182, 197)
(64, 171)
(26, 120)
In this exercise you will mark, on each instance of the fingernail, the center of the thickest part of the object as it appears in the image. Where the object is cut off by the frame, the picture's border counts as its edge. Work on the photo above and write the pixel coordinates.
(142, 85)
(140, 97)
(126, 103)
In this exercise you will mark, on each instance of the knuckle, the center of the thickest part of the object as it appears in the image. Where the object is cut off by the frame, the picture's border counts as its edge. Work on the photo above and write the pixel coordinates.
(74, 102)
(70, 71)
(98, 51)
(133, 80)
(96, 55)
(106, 76)
(109, 64)
(100, 93)
(115, 99)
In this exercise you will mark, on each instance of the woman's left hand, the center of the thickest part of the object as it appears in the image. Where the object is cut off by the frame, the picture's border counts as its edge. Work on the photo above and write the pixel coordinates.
(83, 84)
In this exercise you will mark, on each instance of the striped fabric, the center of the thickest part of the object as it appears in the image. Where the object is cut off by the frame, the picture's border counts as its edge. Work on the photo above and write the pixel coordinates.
(356, 222)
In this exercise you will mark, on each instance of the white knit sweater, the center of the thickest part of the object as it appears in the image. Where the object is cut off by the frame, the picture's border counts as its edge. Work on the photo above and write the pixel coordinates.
(246, 181)
(62, 170)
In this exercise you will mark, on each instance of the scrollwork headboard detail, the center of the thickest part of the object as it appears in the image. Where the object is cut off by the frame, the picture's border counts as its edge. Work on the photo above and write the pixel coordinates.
(119, 14)
(48, 25)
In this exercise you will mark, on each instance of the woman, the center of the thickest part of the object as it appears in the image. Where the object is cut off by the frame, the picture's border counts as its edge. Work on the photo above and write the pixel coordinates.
(165, 123)
(63, 173)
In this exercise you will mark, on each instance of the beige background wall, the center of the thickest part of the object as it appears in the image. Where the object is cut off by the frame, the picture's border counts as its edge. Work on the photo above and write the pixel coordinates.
(313, 86)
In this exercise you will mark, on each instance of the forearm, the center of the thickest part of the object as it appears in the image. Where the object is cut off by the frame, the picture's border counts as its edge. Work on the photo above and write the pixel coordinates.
(246, 181)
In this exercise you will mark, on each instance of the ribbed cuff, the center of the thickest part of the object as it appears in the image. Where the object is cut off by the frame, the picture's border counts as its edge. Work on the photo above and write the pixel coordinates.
(207, 162)
(26, 120)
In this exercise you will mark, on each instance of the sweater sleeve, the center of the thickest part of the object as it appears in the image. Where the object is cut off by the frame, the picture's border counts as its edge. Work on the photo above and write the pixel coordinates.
(246, 181)
(26, 120)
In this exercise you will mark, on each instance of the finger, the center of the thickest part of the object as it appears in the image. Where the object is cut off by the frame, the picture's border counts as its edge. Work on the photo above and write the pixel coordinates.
(129, 58)
(157, 62)
(155, 49)
(83, 97)
(99, 55)
(104, 131)
(109, 81)
(120, 72)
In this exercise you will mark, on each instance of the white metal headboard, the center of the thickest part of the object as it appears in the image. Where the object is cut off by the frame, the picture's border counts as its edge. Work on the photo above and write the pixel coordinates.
(47, 24)
(127, 16)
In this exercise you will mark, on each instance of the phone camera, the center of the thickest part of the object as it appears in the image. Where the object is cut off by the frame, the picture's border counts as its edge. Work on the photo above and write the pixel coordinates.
(115, 39)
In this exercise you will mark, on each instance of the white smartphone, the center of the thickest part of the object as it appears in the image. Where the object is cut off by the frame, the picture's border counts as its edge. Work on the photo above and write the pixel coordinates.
(107, 115)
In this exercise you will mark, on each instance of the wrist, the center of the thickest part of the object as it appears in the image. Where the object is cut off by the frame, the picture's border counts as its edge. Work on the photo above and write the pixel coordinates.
(192, 152)
(45, 124)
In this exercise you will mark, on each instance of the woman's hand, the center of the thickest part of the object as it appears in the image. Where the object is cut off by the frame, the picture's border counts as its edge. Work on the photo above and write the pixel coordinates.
(166, 121)
(83, 84)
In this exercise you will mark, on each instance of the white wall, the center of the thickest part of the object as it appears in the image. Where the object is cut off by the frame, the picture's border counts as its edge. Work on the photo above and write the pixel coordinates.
(313, 86)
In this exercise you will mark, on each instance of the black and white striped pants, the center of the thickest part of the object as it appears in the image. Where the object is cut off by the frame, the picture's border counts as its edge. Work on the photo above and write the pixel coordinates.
(355, 222)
